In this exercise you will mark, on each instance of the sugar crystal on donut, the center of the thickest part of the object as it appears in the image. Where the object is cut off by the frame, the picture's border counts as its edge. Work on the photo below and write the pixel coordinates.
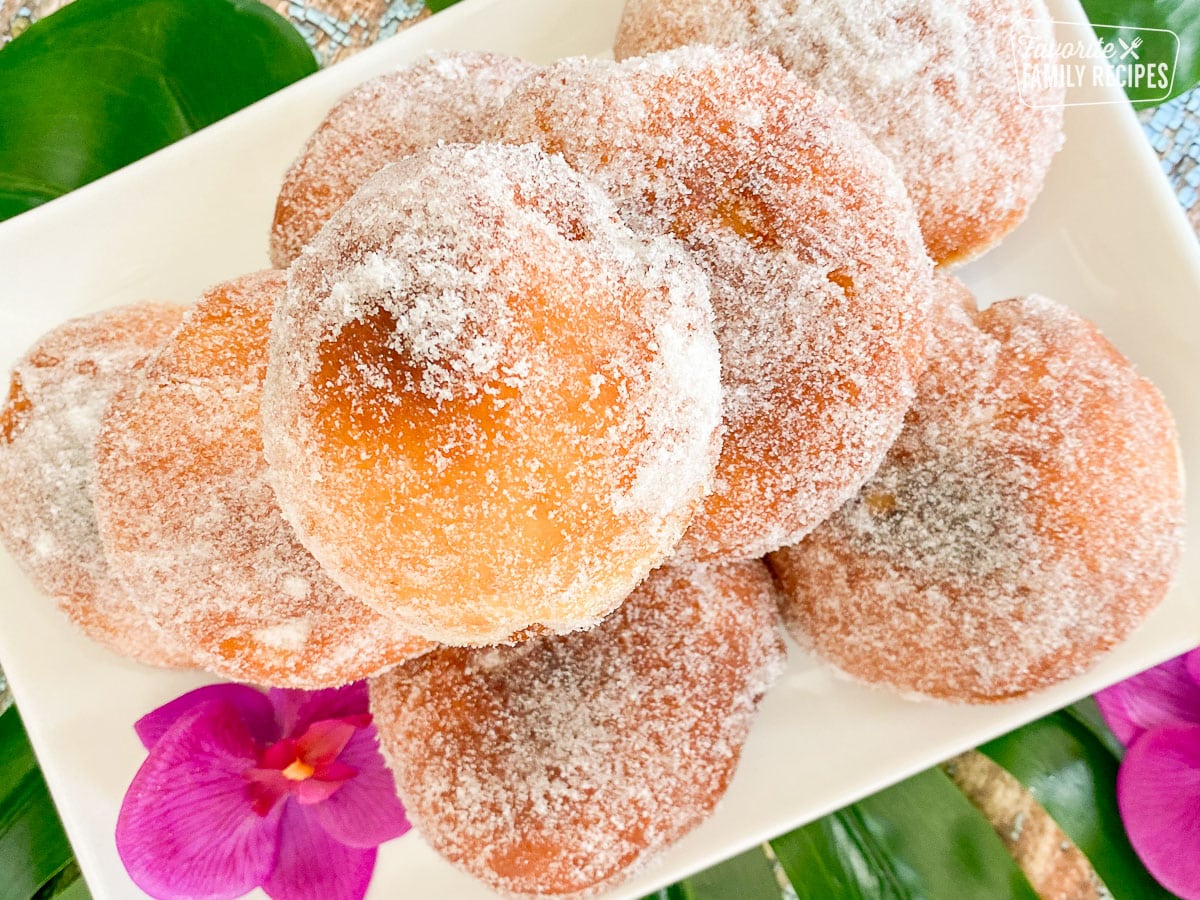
(563, 764)
(939, 86)
(1027, 520)
(192, 527)
(48, 427)
(490, 406)
(444, 97)
(819, 276)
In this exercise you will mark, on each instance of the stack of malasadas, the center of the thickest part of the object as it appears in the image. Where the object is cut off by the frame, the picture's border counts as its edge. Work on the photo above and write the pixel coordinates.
(558, 356)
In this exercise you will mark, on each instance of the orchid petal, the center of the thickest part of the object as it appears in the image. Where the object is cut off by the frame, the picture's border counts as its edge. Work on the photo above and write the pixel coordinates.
(1193, 665)
(186, 827)
(279, 755)
(312, 791)
(1164, 695)
(336, 771)
(323, 741)
(365, 812)
(267, 787)
(296, 710)
(1158, 790)
(253, 706)
(313, 866)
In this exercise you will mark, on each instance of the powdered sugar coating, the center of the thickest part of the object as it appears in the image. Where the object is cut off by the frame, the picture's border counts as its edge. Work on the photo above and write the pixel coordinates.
(444, 97)
(193, 528)
(47, 427)
(820, 282)
(490, 405)
(935, 84)
(1028, 519)
(562, 764)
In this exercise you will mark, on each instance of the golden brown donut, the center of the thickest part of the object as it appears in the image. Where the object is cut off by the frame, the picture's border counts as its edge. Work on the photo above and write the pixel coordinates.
(490, 406)
(820, 281)
(193, 529)
(562, 764)
(1027, 520)
(445, 97)
(47, 429)
(935, 84)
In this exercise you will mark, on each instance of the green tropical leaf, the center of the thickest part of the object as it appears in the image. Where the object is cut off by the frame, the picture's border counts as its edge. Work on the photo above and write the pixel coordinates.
(1071, 772)
(101, 83)
(918, 840)
(1179, 16)
(68, 884)
(33, 846)
(74, 889)
(1087, 713)
(750, 876)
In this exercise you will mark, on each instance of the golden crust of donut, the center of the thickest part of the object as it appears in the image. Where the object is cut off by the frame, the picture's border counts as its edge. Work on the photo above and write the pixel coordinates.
(560, 764)
(490, 405)
(47, 427)
(820, 281)
(193, 528)
(1027, 520)
(446, 97)
(935, 85)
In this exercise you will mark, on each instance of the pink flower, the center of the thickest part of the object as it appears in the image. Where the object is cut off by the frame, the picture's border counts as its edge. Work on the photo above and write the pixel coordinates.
(285, 790)
(1157, 716)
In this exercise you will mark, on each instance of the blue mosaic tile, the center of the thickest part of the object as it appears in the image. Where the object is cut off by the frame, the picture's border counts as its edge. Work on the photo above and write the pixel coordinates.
(332, 36)
(398, 14)
(1174, 132)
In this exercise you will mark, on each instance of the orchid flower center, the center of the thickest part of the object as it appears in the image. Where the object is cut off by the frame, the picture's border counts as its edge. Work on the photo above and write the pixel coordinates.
(298, 770)
(305, 768)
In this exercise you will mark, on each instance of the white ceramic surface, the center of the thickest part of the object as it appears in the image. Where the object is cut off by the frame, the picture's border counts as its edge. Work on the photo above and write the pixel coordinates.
(1106, 237)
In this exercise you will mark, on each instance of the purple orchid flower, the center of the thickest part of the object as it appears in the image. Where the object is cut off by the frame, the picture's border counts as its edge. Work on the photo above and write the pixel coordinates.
(1157, 716)
(285, 790)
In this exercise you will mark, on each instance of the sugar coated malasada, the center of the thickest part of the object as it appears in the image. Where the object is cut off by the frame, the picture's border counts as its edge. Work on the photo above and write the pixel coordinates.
(490, 406)
(561, 764)
(936, 83)
(445, 97)
(820, 282)
(47, 428)
(1028, 519)
(192, 527)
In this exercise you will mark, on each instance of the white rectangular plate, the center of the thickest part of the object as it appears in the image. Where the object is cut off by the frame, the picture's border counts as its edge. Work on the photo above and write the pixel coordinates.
(1106, 237)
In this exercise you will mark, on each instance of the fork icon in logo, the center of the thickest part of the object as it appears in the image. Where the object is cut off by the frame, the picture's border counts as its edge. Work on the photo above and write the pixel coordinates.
(1130, 49)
